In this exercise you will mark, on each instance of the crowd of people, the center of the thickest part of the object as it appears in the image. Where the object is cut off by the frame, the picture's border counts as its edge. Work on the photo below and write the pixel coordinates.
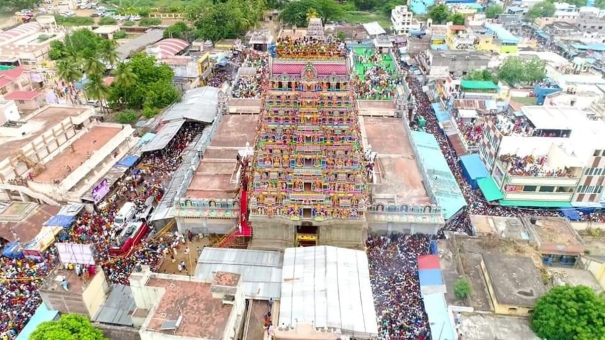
(309, 48)
(21, 278)
(472, 132)
(19, 284)
(393, 264)
(249, 85)
(532, 166)
(375, 75)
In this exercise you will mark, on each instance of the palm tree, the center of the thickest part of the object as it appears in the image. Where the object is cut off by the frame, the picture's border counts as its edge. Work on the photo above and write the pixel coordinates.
(312, 13)
(68, 71)
(95, 88)
(94, 66)
(124, 76)
(108, 53)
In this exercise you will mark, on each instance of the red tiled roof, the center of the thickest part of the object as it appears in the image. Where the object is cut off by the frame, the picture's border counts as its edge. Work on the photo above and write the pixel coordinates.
(171, 47)
(108, 80)
(19, 31)
(22, 95)
(12, 74)
(4, 81)
(458, 27)
(322, 69)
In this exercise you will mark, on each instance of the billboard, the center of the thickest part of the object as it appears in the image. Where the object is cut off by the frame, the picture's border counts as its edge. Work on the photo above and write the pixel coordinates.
(100, 190)
(76, 253)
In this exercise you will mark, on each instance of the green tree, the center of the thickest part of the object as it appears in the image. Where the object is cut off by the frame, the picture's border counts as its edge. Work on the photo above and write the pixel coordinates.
(177, 31)
(366, 5)
(482, 75)
(68, 71)
(15, 5)
(70, 326)
(439, 13)
(95, 88)
(92, 65)
(153, 85)
(220, 22)
(493, 11)
(462, 289)
(456, 18)
(516, 70)
(541, 10)
(57, 50)
(125, 78)
(569, 313)
(295, 12)
(108, 53)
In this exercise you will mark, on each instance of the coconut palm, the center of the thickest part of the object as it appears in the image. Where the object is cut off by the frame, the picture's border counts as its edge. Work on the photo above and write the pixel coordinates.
(93, 66)
(95, 88)
(124, 76)
(107, 52)
(68, 71)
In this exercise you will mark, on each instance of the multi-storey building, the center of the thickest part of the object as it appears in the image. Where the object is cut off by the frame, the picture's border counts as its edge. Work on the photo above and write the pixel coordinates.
(459, 37)
(403, 20)
(550, 157)
(591, 19)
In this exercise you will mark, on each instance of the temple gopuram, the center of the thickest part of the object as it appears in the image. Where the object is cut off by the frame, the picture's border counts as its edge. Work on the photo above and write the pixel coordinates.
(308, 180)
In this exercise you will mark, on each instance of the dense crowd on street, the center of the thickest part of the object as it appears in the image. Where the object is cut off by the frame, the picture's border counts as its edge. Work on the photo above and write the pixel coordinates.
(21, 278)
(394, 279)
(19, 284)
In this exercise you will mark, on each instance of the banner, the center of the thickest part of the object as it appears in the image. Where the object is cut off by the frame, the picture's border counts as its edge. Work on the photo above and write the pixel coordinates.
(100, 190)
(76, 253)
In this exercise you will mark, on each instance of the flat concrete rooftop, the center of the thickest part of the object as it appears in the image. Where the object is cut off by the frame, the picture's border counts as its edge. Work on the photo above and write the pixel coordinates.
(576, 277)
(485, 326)
(506, 227)
(203, 316)
(213, 176)
(515, 279)
(556, 236)
(396, 163)
(24, 220)
(41, 122)
(87, 144)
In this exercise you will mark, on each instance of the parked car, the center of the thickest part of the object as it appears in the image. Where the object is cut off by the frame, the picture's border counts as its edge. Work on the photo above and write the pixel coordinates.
(68, 13)
(135, 18)
(95, 15)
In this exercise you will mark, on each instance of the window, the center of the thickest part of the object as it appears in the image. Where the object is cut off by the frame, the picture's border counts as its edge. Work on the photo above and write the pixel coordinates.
(547, 189)
(530, 188)
(22, 102)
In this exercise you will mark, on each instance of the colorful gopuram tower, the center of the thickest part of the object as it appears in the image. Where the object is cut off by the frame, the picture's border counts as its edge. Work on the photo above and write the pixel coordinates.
(308, 179)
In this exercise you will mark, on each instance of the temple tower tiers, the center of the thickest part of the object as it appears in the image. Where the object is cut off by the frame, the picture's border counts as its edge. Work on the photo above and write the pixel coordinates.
(315, 29)
(308, 170)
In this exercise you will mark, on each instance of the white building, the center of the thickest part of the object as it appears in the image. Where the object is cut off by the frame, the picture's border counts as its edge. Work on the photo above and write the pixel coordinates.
(403, 20)
(551, 155)
(566, 12)
(57, 153)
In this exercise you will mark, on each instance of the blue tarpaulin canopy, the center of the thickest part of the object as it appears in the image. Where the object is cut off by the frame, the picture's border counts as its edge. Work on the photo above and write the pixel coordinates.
(441, 114)
(128, 161)
(12, 250)
(571, 214)
(430, 277)
(473, 169)
(60, 221)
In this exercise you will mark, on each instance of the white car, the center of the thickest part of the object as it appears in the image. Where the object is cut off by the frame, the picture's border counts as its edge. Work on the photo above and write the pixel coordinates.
(68, 13)
(135, 18)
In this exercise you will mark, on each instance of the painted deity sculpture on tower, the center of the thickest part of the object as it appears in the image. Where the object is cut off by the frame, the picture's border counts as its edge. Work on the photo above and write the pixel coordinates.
(308, 162)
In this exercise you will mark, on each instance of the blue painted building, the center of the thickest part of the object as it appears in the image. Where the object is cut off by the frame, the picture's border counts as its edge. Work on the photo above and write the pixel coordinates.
(544, 88)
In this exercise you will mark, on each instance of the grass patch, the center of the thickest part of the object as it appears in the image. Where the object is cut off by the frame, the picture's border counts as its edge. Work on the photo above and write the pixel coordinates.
(107, 21)
(362, 17)
(526, 100)
(150, 22)
(119, 35)
(128, 23)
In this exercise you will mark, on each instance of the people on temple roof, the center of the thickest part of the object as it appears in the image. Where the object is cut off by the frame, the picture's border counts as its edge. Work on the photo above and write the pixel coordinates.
(308, 47)
(376, 75)
(532, 166)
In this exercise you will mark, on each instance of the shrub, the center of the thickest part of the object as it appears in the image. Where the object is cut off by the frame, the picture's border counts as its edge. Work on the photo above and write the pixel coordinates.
(119, 35)
(107, 21)
(150, 22)
(462, 289)
(127, 117)
(74, 21)
(128, 23)
(144, 12)
(149, 112)
(43, 37)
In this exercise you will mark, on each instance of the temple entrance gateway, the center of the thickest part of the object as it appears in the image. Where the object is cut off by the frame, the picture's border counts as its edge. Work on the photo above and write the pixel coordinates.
(306, 235)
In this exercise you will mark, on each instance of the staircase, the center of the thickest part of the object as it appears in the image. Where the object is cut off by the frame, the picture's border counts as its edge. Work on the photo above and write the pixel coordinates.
(34, 166)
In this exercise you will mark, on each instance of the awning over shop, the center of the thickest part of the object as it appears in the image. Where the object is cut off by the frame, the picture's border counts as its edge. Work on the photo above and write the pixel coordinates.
(535, 204)
(128, 161)
(60, 221)
(571, 214)
(478, 85)
(490, 189)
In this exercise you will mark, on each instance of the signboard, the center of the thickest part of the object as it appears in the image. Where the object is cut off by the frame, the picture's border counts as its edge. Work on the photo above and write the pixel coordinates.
(76, 253)
(100, 190)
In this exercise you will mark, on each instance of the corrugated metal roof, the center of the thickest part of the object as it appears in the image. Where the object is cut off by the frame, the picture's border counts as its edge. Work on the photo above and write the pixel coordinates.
(329, 287)
(117, 308)
(200, 104)
(150, 37)
(260, 270)
(164, 136)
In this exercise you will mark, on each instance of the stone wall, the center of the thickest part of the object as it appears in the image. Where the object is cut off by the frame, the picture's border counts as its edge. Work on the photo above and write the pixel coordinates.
(119, 333)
